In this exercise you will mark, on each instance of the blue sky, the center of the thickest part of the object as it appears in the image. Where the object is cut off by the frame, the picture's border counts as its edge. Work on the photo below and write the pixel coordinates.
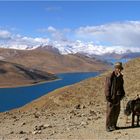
(103, 22)
(27, 17)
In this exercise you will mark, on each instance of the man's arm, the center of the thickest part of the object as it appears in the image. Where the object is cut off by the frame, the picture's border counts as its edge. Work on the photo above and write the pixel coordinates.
(108, 88)
(122, 89)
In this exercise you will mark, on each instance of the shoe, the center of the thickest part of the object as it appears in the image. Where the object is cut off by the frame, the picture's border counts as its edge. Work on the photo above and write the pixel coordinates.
(113, 128)
(109, 129)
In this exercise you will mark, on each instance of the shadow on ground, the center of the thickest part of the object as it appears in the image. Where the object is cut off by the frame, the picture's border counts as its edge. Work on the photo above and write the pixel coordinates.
(128, 127)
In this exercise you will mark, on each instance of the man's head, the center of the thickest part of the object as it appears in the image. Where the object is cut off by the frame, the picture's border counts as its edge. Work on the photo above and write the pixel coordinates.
(118, 67)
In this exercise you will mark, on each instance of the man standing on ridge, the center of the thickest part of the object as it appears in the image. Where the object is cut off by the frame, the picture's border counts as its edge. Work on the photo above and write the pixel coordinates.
(114, 92)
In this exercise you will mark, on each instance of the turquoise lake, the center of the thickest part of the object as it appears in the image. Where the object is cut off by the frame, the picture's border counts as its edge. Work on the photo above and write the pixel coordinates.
(11, 98)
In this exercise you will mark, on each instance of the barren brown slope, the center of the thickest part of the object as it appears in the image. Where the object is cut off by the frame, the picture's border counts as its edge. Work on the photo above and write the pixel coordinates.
(12, 74)
(90, 90)
(73, 112)
(53, 62)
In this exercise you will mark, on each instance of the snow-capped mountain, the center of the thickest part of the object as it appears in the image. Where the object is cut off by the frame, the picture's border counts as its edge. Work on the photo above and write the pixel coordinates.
(73, 47)
(91, 50)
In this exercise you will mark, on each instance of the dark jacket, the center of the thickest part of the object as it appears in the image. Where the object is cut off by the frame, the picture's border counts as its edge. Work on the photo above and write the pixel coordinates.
(114, 90)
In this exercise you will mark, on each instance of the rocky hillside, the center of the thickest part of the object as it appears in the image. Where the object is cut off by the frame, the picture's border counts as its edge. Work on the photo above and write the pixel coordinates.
(73, 112)
(12, 74)
(93, 87)
(52, 61)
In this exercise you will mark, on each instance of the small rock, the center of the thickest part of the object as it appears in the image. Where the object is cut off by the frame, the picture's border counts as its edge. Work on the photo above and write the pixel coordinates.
(23, 123)
(41, 127)
(73, 112)
(68, 129)
(83, 115)
(14, 117)
(98, 117)
(37, 128)
(7, 113)
(12, 132)
(48, 126)
(36, 116)
(83, 106)
(34, 132)
(69, 117)
(93, 113)
(21, 132)
(99, 112)
(52, 113)
(79, 115)
(84, 123)
(89, 118)
(78, 106)
(16, 120)
(39, 132)
(36, 108)
(53, 133)
(65, 119)
(90, 103)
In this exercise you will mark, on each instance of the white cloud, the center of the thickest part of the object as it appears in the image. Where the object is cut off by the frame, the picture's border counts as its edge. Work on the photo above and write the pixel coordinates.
(51, 29)
(114, 37)
(120, 33)
(23, 42)
(56, 34)
(64, 46)
(4, 34)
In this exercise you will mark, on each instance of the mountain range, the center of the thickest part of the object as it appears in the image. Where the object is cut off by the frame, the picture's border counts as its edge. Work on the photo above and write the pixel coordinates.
(51, 60)
(87, 48)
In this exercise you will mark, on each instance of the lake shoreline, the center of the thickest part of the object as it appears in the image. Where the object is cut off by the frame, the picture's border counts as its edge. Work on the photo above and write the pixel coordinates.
(20, 86)
(43, 82)
(32, 92)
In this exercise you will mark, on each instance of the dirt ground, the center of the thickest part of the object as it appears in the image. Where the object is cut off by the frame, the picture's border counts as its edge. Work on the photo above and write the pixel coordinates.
(73, 112)
(80, 122)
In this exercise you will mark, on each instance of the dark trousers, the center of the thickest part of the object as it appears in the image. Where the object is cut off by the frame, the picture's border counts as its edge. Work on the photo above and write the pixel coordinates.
(112, 114)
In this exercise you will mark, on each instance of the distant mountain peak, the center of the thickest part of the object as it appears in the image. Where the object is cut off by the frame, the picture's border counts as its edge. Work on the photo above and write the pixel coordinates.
(49, 48)
(78, 46)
